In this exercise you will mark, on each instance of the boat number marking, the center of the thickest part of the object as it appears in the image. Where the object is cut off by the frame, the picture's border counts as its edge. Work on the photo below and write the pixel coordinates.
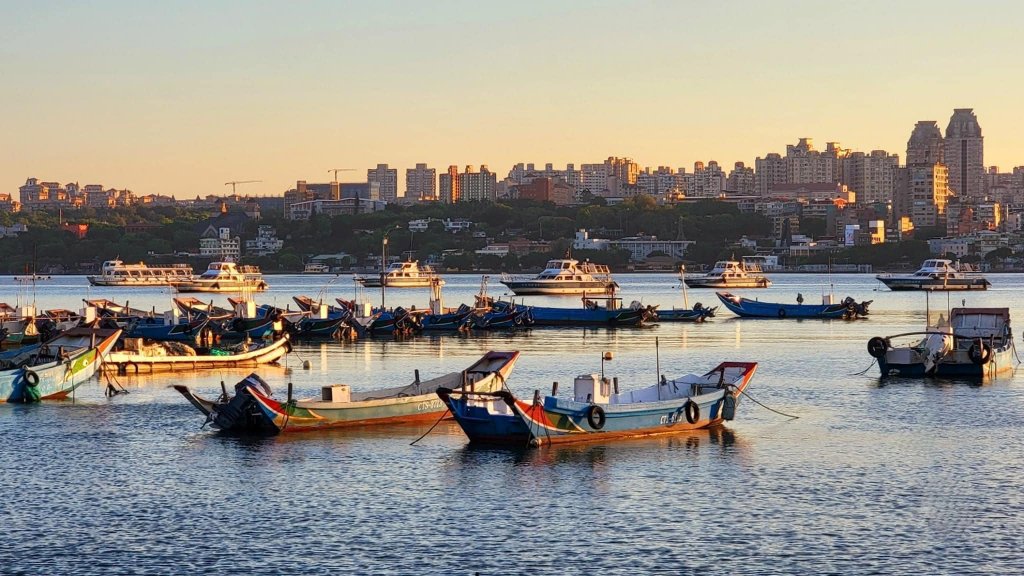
(429, 405)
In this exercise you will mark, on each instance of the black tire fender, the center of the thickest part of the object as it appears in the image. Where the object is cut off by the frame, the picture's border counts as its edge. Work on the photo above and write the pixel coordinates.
(877, 347)
(596, 417)
(980, 353)
(31, 378)
(692, 411)
(782, 314)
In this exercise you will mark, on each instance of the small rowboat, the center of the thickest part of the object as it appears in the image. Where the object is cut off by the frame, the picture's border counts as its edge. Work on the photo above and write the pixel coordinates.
(54, 369)
(596, 413)
(246, 355)
(254, 409)
(746, 308)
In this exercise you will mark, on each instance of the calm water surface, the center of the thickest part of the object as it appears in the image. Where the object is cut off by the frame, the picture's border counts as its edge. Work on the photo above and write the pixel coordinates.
(895, 477)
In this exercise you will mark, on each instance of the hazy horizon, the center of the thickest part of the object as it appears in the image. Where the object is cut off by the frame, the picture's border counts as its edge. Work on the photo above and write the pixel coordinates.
(180, 98)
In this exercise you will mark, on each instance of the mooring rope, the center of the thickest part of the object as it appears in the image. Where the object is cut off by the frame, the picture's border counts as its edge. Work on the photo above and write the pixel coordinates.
(769, 408)
(865, 371)
(447, 410)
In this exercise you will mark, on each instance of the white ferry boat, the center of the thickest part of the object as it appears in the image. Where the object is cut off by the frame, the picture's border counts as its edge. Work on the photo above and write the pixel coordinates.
(316, 269)
(402, 275)
(224, 277)
(937, 274)
(117, 273)
(730, 274)
(564, 277)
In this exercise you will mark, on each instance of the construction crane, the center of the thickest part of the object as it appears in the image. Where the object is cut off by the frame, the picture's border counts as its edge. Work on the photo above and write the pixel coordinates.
(237, 182)
(336, 170)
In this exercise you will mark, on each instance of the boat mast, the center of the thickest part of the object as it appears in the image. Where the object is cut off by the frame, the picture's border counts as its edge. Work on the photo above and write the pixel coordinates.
(657, 366)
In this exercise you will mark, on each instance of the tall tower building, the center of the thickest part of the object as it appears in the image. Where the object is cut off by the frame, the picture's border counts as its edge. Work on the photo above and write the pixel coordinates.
(420, 183)
(964, 154)
(387, 178)
(925, 145)
(448, 186)
(768, 172)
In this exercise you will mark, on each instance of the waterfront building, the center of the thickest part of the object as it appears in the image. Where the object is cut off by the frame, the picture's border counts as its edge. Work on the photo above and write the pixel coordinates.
(420, 184)
(219, 244)
(387, 180)
(639, 247)
(964, 154)
(265, 243)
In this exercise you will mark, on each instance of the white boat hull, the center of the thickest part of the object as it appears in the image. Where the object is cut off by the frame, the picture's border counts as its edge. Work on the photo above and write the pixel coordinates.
(540, 287)
(722, 283)
(126, 362)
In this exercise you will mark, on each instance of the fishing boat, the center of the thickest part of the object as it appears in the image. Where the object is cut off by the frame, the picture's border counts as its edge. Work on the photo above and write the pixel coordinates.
(937, 274)
(730, 274)
(976, 342)
(223, 277)
(848, 308)
(565, 276)
(139, 357)
(191, 306)
(18, 324)
(56, 367)
(117, 273)
(402, 275)
(495, 315)
(597, 412)
(253, 408)
(593, 313)
(699, 313)
(165, 329)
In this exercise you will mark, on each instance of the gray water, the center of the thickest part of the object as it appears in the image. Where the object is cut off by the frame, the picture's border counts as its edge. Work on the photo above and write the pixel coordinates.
(894, 476)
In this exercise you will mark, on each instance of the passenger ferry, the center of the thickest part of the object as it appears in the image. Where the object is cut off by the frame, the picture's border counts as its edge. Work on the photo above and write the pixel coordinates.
(117, 273)
(937, 274)
(316, 269)
(403, 275)
(565, 276)
(730, 274)
(224, 277)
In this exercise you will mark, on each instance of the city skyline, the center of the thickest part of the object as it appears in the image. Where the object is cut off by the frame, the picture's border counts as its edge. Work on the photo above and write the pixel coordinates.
(180, 99)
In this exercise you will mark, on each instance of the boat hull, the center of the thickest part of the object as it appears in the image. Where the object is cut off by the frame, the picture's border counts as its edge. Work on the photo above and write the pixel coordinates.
(746, 308)
(907, 363)
(124, 362)
(544, 316)
(896, 283)
(558, 288)
(727, 284)
(482, 419)
(57, 379)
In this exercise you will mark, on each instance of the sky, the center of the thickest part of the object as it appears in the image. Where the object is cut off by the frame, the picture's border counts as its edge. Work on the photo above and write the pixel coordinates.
(179, 97)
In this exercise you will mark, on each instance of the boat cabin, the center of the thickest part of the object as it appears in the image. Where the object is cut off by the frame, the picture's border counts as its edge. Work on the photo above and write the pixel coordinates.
(569, 269)
(732, 269)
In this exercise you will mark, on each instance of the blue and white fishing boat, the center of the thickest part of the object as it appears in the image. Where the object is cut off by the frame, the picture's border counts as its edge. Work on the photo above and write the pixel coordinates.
(747, 308)
(975, 343)
(167, 330)
(500, 314)
(592, 313)
(597, 412)
(55, 368)
(699, 312)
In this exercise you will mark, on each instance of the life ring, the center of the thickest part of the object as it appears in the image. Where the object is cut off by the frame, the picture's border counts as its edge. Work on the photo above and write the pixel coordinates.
(31, 378)
(980, 355)
(877, 347)
(782, 314)
(692, 411)
(595, 417)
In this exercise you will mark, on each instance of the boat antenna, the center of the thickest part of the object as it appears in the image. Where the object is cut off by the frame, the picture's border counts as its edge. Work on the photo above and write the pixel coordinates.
(657, 366)
(682, 282)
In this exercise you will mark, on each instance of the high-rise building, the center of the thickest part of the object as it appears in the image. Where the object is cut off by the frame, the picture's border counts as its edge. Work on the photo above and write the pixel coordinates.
(926, 144)
(921, 194)
(448, 186)
(478, 186)
(741, 180)
(706, 181)
(387, 178)
(964, 154)
(420, 183)
(768, 172)
(872, 176)
(805, 165)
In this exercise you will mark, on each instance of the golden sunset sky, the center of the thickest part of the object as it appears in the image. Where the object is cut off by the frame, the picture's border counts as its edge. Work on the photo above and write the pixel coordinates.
(180, 97)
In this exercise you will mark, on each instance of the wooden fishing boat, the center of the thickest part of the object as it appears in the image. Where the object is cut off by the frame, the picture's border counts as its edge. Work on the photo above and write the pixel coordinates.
(977, 342)
(56, 367)
(746, 308)
(254, 409)
(697, 314)
(596, 412)
(152, 359)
